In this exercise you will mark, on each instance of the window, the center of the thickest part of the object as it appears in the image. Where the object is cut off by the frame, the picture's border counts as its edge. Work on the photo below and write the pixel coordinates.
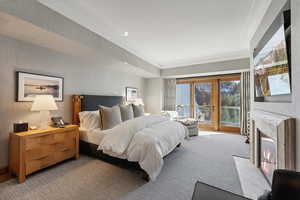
(230, 103)
(183, 93)
(214, 101)
(203, 101)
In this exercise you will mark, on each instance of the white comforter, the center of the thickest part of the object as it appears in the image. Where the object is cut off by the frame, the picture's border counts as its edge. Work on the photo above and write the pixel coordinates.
(145, 140)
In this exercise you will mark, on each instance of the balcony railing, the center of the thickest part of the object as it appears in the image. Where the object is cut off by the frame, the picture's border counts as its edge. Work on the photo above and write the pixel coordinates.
(230, 115)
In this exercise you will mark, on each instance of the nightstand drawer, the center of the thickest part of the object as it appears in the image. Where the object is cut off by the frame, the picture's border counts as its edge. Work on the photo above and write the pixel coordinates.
(64, 154)
(40, 152)
(39, 141)
(67, 144)
(40, 163)
(63, 136)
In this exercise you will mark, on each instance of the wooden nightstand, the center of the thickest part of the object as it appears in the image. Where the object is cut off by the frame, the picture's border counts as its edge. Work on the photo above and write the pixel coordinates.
(37, 149)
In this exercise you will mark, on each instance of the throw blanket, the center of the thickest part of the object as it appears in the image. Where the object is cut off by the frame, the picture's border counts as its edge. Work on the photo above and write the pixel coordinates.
(145, 140)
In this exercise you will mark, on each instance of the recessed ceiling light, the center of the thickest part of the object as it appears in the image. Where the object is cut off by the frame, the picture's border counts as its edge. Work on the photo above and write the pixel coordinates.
(126, 34)
(125, 63)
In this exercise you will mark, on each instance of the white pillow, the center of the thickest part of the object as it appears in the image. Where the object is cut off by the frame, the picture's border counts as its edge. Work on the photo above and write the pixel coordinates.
(89, 119)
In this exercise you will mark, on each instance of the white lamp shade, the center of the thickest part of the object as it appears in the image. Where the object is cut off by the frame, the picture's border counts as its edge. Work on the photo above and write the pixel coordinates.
(43, 102)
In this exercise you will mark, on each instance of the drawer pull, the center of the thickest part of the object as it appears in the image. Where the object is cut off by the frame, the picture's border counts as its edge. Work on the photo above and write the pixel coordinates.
(41, 158)
(65, 149)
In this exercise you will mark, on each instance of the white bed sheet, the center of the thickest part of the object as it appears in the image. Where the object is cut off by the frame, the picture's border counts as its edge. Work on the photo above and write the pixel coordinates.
(95, 136)
(145, 140)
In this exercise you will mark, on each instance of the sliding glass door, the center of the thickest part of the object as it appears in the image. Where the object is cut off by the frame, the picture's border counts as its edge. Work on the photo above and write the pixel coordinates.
(206, 104)
(230, 99)
(213, 101)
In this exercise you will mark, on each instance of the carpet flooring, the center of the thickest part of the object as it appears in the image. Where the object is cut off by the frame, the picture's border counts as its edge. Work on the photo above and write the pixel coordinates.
(207, 158)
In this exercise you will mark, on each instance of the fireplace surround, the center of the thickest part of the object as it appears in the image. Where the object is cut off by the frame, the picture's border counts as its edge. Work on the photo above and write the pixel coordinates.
(267, 156)
(272, 129)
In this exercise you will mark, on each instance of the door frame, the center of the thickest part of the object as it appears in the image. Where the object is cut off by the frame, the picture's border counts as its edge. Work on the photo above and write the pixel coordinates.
(222, 127)
(216, 125)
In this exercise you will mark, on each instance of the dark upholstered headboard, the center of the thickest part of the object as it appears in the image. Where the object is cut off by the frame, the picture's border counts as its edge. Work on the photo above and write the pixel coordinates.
(92, 102)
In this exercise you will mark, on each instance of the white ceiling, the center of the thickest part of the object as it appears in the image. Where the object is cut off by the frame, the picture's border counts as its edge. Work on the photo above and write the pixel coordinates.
(167, 33)
(38, 36)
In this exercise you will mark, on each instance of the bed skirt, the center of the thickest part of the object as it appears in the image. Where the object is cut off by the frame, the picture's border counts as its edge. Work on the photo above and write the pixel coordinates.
(91, 150)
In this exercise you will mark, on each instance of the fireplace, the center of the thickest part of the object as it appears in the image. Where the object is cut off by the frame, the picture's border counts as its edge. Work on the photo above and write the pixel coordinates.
(268, 156)
(272, 142)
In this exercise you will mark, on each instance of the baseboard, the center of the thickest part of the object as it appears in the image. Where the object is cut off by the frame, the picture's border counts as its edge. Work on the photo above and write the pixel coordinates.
(227, 129)
(4, 174)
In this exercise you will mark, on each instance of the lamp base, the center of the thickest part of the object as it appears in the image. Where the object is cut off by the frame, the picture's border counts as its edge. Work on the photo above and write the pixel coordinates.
(45, 118)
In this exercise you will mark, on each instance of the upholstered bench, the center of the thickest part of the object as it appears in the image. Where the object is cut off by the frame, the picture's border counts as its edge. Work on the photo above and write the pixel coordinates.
(191, 124)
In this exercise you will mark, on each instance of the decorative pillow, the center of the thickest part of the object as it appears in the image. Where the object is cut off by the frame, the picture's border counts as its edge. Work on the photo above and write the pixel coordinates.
(109, 117)
(126, 112)
(89, 119)
(138, 110)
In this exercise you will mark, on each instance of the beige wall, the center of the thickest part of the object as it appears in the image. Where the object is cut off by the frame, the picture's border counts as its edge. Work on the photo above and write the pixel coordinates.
(293, 108)
(154, 95)
(81, 77)
(211, 68)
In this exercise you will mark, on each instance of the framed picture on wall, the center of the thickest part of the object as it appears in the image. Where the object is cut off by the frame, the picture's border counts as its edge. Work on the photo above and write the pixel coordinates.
(29, 85)
(131, 93)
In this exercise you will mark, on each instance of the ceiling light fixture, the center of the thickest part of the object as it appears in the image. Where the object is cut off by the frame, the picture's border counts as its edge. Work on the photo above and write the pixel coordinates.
(126, 34)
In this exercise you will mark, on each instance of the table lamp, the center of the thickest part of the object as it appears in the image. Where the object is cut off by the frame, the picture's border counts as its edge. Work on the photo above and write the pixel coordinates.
(44, 104)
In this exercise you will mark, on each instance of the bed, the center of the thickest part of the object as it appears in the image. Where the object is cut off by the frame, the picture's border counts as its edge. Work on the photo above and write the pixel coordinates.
(135, 151)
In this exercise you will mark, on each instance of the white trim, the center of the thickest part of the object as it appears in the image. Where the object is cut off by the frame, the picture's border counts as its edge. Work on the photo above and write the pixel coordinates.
(209, 59)
(207, 73)
(257, 16)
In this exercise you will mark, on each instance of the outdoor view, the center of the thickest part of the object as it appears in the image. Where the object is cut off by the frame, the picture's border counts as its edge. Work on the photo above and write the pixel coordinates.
(230, 103)
(203, 101)
(183, 99)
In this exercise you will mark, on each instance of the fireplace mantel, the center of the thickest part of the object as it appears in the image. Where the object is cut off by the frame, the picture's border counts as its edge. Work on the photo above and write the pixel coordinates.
(268, 123)
(279, 127)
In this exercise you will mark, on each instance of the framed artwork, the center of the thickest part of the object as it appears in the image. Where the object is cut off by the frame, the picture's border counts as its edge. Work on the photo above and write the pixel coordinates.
(29, 85)
(131, 93)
